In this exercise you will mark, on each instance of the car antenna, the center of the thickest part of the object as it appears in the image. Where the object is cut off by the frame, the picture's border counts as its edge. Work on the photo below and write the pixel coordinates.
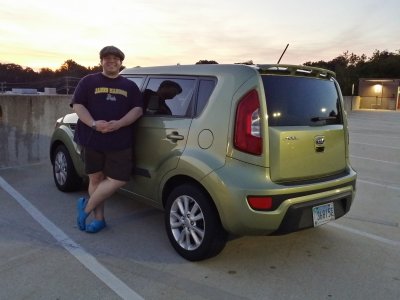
(282, 54)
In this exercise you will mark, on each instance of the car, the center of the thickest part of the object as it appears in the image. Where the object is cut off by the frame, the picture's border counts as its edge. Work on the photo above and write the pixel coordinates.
(241, 150)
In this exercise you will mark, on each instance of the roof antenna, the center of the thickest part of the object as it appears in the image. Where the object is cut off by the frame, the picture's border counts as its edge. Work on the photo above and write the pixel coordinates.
(282, 54)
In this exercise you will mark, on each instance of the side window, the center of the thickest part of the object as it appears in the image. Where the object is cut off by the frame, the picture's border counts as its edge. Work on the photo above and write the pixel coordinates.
(169, 96)
(137, 80)
(206, 87)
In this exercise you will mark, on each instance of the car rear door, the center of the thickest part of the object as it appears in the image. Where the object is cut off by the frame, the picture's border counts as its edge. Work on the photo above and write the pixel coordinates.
(307, 137)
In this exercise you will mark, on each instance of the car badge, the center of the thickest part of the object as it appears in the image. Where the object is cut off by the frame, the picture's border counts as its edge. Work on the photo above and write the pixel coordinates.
(291, 138)
(319, 143)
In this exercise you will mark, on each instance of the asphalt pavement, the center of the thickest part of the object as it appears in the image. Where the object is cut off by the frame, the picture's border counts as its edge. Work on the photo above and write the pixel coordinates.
(43, 255)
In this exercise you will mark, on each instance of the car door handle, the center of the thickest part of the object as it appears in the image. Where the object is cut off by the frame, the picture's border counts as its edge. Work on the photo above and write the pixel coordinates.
(175, 136)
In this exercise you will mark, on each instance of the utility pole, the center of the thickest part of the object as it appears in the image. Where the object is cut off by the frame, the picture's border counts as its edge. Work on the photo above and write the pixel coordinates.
(2, 86)
(67, 85)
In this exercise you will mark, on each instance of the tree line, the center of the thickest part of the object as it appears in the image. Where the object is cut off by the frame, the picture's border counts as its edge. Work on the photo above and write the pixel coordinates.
(64, 79)
(348, 67)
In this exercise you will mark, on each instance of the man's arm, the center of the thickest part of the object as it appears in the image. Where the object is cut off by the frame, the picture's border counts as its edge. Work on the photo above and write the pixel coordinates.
(83, 114)
(86, 118)
(134, 114)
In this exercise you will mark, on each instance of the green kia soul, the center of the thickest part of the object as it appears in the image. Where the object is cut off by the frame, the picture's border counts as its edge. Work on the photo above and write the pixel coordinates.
(246, 150)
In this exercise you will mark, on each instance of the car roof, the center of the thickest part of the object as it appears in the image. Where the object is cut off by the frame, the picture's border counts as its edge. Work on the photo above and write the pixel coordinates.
(224, 69)
(201, 69)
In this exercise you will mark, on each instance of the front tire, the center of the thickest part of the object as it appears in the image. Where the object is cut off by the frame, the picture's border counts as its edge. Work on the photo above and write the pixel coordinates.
(64, 173)
(193, 224)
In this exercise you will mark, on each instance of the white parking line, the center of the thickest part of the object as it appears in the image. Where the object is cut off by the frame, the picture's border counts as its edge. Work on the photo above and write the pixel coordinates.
(379, 184)
(375, 145)
(378, 135)
(377, 160)
(89, 261)
(366, 234)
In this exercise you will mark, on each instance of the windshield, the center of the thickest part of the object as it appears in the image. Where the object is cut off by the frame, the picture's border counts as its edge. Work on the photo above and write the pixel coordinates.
(301, 101)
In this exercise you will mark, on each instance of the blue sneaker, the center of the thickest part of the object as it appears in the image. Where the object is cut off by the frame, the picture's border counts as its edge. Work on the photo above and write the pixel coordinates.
(82, 215)
(95, 226)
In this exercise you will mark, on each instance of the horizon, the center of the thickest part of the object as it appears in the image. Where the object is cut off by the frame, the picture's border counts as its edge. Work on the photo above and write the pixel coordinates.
(87, 67)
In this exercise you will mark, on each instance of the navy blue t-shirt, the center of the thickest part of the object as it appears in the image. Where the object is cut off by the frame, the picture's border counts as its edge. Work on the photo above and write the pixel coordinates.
(106, 99)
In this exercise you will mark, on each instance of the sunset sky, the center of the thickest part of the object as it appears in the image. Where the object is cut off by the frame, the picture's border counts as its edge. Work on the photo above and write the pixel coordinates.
(46, 33)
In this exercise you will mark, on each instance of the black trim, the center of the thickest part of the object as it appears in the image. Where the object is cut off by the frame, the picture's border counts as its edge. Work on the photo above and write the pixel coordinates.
(299, 216)
(141, 172)
(316, 180)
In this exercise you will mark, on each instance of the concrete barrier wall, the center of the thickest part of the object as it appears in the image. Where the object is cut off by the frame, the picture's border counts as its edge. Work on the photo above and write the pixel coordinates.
(351, 103)
(26, 125)
(27, 122)
(378, 103)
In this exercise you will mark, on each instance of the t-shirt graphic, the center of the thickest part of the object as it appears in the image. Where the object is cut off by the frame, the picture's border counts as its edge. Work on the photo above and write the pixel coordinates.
(111, 97)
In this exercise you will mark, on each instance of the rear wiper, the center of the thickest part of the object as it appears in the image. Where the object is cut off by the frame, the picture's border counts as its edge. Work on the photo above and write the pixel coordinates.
(316, 119)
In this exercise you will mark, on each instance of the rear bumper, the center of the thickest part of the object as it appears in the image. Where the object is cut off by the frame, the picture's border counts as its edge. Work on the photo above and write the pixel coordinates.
(292, 205)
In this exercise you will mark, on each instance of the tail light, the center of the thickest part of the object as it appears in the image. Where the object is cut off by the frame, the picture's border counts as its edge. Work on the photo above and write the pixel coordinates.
(247, 125)
(260, 202)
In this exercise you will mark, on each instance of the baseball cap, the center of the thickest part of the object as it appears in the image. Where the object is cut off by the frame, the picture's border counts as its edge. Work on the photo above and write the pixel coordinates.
(111, 50)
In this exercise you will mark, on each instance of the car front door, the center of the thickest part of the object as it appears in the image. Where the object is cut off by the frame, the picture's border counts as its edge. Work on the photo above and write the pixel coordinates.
(161, 133)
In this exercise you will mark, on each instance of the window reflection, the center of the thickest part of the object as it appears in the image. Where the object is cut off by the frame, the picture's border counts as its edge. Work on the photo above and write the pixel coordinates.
(296, 101)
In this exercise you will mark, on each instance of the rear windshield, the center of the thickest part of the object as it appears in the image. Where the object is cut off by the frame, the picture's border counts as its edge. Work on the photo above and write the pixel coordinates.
(301, 101)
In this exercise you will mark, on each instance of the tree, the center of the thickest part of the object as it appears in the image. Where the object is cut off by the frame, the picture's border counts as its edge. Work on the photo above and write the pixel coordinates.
(346, 68)
(46, 72)
(382, 64)
(71, 68)
(10, 72)
(248, 62)
(206, 62)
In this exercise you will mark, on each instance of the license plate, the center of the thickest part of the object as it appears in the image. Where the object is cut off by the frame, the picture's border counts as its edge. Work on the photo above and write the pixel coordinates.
(323, 214)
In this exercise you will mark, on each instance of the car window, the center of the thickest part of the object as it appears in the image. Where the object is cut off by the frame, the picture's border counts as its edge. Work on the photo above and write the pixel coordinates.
(169, 96)
(206, 87)
(301, 101)
(137, 80)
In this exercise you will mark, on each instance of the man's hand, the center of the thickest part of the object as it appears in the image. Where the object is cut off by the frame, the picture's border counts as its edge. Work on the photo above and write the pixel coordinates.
(131, 117)
(101, 126)
(110, 126)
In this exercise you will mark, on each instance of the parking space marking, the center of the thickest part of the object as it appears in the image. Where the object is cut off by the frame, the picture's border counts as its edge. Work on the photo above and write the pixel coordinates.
(366, 234)
(372, 135)
(89, 261)
(377, 160)
(375, 145)
(379, 184)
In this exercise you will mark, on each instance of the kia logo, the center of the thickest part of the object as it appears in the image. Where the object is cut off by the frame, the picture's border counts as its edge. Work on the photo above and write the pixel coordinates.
(319, 140)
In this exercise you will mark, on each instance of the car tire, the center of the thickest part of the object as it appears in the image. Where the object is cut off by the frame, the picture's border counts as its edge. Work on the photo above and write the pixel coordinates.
(193, 224)
(64, 173)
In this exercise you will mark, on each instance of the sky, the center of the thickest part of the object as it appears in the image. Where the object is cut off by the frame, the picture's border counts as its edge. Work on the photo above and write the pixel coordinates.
(46, 33)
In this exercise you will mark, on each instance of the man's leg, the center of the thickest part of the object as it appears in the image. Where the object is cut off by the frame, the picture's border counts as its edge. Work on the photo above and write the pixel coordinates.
(94, 180)
(115, 173)
(104, 189)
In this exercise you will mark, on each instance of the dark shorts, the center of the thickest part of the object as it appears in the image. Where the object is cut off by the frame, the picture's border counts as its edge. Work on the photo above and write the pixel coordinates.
(114, 164)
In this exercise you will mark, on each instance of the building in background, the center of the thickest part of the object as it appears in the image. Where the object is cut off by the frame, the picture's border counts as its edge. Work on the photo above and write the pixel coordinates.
(379, 93)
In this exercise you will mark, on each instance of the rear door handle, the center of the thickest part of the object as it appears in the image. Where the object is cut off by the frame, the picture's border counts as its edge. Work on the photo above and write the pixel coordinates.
(175, 136)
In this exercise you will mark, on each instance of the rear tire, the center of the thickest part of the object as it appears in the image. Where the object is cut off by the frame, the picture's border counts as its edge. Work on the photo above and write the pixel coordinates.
(193, 224)
(64, 173)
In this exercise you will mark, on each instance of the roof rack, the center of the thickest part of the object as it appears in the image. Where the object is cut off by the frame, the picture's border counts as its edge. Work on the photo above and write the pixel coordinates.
(295, 70)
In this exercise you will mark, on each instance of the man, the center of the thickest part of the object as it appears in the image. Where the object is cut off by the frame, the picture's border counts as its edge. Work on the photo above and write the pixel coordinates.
(154, 102)
(107, 105)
